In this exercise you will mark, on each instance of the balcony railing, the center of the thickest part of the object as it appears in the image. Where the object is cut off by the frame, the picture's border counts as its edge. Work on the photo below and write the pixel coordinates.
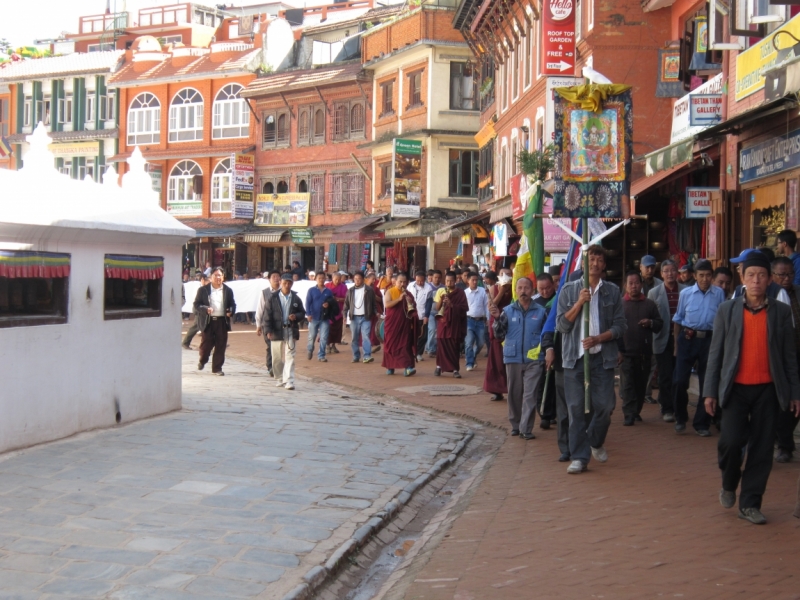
(101, 23)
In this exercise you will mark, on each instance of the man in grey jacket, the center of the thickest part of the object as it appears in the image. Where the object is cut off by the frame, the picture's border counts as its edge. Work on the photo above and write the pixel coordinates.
(606, 325)
(752, 374)
(666, 298)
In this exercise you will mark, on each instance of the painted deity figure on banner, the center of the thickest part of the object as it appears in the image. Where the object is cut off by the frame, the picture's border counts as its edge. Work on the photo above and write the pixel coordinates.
(595, 143)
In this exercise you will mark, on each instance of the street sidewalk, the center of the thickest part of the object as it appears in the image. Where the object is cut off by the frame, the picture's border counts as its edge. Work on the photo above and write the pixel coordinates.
(647, 523)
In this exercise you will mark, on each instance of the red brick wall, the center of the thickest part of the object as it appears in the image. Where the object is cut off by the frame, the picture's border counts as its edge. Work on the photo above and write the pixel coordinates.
(329, 157)
(420, 24)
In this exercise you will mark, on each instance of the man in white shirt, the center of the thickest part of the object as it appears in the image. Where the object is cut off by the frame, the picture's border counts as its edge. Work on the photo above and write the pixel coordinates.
(422, 292)
(477, 315)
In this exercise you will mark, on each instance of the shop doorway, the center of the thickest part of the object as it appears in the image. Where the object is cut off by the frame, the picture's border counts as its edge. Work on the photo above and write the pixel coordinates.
(308, 258)
(271, 259)
(417, 259)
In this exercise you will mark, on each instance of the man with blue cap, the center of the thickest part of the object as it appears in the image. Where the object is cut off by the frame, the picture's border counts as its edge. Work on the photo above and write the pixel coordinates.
(647, 267)
(693, 325)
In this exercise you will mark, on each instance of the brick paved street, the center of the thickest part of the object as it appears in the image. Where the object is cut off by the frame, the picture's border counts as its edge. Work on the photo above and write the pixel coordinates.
(237, 495)
(646, 524)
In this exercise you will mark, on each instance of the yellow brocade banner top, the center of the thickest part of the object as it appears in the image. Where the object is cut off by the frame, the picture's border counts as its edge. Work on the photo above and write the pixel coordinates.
(592, 95)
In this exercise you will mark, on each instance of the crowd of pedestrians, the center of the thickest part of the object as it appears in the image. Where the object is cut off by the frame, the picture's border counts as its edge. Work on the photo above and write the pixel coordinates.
(667, 323)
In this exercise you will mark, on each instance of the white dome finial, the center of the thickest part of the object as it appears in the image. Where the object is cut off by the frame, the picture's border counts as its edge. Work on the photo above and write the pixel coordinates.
(39, 161)
(110, 177)
(137, 182)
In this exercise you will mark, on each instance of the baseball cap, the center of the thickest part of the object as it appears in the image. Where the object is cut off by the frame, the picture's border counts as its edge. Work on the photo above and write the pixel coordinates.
(746, 254)
(648, 260)
(687, 267)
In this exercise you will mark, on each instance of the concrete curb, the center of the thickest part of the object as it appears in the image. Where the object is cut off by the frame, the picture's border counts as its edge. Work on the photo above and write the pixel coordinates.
(319, 575)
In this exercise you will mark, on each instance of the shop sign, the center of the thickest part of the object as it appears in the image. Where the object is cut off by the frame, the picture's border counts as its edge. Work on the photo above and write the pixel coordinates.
(705, 109)
(682, 127)
(558, 37)
(185, 208)
(407, 183)
(155, 177)
(776, 155)
(302, 235)
(75, 149)
(282, 210)
(550, 104)
(243, 185)
(555, 238)
(698, 202)
(751, 64)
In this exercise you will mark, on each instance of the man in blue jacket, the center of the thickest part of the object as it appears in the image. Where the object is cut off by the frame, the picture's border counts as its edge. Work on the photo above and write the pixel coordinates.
(318, 300)
(606, 325)
(520, 325)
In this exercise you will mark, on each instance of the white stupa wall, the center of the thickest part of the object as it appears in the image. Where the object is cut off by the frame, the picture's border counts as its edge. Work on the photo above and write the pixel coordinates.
(59, 380)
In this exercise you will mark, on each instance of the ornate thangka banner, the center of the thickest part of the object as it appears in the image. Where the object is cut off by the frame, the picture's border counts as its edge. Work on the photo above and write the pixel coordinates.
(593, 138)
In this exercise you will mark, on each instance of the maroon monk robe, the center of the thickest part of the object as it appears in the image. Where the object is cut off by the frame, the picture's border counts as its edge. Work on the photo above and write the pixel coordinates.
(337, 325)
(400, 331)
(451, 330)
(495, 381)
(376, 319)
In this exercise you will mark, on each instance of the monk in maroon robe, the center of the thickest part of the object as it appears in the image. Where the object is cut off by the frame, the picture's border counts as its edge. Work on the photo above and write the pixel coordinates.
(339, 291)
(451, 307)
(400, 329)
(495, 381)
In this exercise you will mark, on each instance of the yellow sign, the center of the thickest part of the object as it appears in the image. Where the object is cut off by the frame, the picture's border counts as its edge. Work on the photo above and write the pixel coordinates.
(75, 149)
(751, 64)
(289, 210)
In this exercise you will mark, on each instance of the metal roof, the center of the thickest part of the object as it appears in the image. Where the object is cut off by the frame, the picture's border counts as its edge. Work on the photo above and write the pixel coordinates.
(59, 66)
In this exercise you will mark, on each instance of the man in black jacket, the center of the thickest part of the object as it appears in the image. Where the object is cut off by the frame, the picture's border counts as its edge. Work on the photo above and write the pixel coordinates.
(282, 317)
(194, 328)
(214, 306)
(752, 375)
(261, 313)
(359, 305)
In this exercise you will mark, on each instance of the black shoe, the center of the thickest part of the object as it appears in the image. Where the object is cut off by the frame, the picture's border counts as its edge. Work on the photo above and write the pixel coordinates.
(650, 400)
(680, 427)
(220, 373)
(527, 436)
(544, 424)
(200, 366)
(727, 499)
(515, 432)
(186, 346)
(703, 432)
(783, 456)
(496, 397)
(456, 374)
(629, 421)
(564, 457)
(437, 371)
(637, 418)
(310, 354)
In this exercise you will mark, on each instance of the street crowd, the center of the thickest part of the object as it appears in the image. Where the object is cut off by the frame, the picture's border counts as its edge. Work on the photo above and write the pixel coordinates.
(743, 343)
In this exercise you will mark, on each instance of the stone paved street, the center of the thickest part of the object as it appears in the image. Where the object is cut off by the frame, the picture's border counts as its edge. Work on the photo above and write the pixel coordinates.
(237, 495)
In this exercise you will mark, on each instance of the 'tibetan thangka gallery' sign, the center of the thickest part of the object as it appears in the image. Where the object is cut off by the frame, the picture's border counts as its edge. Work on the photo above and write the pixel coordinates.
(558, 37)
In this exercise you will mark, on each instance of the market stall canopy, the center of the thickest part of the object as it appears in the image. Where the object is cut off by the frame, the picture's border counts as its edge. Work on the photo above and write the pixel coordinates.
(669, 157)
(395, 224)
(264, 238)
(643, 184)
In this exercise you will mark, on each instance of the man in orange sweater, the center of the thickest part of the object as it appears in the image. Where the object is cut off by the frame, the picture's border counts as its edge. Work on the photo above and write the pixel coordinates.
(752, 374)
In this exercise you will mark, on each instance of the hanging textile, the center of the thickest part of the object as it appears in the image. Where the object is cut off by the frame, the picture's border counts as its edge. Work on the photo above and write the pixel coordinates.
(332, 254)
(33, 264)
(119, 266)
(391, 259)
(343, 258)
(354, 261)
(500, 239)
(365, 252)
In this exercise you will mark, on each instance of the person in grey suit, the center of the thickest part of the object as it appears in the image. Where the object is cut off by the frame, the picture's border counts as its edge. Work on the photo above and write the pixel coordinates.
(666, 297)
(607, 324)
(752, 375)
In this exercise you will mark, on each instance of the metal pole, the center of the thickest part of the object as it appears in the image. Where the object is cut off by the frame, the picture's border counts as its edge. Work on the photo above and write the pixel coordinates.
(586, 366)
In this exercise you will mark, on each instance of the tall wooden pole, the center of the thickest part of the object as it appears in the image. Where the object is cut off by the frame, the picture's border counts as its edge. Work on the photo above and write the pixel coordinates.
(586, 309)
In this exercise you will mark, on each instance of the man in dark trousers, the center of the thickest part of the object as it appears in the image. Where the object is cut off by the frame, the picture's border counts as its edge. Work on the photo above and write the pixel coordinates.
(214, 306)
(693, 325)
(752, 375)
(359, 306)
(194, 328)
(261, 313)
(643, 320)
(606, 325)
(283, 316)
(666, 297)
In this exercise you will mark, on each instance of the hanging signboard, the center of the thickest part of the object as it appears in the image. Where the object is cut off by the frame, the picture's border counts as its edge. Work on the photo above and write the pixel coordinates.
(243, 185)
(555, 238)
(776, 155)
(558, 37)
(302, 235)
(407, 180)
(698, 202)
(682, 128)
(518, 184)
(550, 106)
(751, 64)
(705, 109)
(155, 177)
(282, 210)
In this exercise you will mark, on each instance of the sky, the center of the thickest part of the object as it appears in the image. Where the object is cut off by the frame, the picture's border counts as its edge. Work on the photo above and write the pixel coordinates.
(26, 20)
